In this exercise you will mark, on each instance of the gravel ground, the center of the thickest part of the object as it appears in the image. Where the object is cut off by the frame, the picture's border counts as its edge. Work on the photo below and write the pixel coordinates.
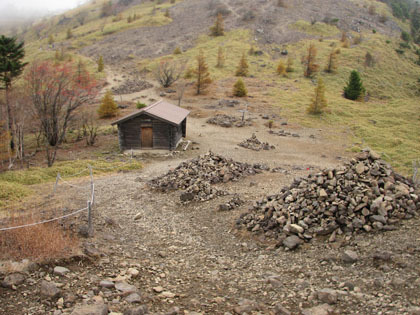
(190, 258)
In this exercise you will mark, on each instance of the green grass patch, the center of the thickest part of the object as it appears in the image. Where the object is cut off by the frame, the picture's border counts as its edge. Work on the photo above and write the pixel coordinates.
(318, 28)
(10, 192)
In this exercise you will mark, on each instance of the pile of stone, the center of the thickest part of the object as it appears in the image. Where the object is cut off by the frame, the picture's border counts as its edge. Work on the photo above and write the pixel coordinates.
(235, 202)
(228, 121)
(283, 133)
(195, 177)
(254, 144)
(132, 86)
(362, 196)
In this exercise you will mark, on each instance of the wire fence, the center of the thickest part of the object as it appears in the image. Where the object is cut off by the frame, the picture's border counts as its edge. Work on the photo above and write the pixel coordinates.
(90, 199)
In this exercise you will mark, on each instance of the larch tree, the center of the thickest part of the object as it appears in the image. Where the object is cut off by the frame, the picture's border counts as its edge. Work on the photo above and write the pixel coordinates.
(242, 70)
(319, 102)
(218, 28)
(220, 58)
(202, 74)
(56, 92)
(354, 89)
(332, 60)
(11, 67)
(310, 62)
(108, 108)
(290, 62)
(281, 69)
(101, 64)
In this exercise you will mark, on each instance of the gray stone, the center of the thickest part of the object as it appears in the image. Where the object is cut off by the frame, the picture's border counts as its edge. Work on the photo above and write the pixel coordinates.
(360, 168)
(323, 193)
(328, 296)
(61, 271)
(294, 228)
(350, 256)
(95, 309)
(125, 288)
(293, 241)
(49, 289)
(323, 309)
(13, 280)
(138, 216)
(281, 310)
(106, 284)
(378, 218)
(140, 310)
(133, 298)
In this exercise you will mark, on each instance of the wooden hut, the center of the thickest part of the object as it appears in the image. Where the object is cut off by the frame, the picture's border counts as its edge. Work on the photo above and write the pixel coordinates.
(158, 126)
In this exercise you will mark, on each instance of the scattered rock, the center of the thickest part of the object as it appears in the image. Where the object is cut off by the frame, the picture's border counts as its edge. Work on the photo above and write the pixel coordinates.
(292, 242)
(49, 289)
(106, 284)
(125, 288)
(281, 310)
(133, 298)
(328, 296)
(95, 309)
(228, 121)
(12, 280)
(61, 271)
(235, 202)
(350, 256)
(140, 310)
(131, 86)
(254, 144)
(323, 309)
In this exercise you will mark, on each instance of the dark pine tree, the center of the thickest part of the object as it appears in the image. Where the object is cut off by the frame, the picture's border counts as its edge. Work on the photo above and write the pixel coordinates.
(354, 88)
(11, 66)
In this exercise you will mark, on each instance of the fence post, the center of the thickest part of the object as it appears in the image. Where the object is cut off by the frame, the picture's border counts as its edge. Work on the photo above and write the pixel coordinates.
(90, 223)
(55, 185)
(92, 194)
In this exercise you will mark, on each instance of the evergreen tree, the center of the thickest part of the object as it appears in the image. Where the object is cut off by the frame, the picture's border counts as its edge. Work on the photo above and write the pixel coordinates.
(101, 65)
(108, 107)
(202, 74)
(167, 13)
(242, 70)
(239, 89)
(281, 69)
(318, 101)
(220, 58)
(218, 29)
(331, 66)
(50, 39)
(354, 89)
(11, 67)
(310, 62)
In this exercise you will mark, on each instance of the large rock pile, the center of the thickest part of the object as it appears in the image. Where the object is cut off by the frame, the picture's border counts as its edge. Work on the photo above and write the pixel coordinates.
(196, 176)
(364, 195)
(132, 86)
(254, 144)
(228, 121)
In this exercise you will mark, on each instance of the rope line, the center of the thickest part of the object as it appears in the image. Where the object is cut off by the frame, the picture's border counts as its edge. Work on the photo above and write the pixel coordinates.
(72, 185)
(43, 222)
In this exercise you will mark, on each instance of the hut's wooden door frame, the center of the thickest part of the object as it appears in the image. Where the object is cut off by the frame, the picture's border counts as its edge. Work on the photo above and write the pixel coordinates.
(146, 135)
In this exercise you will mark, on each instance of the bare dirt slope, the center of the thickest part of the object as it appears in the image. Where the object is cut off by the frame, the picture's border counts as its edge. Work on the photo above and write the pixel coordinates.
(269, 22)
(191, 259)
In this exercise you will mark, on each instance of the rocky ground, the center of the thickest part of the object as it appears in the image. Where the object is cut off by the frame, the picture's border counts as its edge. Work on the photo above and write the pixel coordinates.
(153, 252)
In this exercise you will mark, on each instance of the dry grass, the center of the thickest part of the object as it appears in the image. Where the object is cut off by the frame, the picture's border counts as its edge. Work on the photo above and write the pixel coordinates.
(39, 242)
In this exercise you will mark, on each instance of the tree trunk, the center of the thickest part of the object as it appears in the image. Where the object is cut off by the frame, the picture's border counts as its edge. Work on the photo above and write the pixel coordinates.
(10, 121)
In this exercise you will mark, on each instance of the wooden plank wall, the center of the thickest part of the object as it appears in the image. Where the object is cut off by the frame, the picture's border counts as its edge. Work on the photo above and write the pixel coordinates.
(165, 136)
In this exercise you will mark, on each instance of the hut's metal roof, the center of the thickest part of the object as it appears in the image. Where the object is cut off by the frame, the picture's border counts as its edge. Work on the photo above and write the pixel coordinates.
(161, 110)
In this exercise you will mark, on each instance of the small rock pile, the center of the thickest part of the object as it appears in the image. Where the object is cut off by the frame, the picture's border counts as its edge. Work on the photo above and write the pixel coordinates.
(228, 121)
(283, 133)
(254, 144)
(132, 86)
(364, 195)
(196, 176)
(235, 202)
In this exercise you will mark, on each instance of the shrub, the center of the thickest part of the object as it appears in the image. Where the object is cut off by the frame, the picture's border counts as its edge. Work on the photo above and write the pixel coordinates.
(290, 62)
(369, 60)
(281, 69)
(239, 89)
(405, 36)
(354, 89)
(218, 29)
(101, 65)
(140, 105)
(177, 51)
(108, 107)
(405, 45)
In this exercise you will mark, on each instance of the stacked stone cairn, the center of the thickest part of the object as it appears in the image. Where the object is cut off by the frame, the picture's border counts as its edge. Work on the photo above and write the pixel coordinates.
(364, 195)
(228, 121)
(254, 144)
(196, 177)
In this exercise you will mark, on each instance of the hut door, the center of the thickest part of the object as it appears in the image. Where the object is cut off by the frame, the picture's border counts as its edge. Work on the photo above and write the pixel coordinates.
(146, 137)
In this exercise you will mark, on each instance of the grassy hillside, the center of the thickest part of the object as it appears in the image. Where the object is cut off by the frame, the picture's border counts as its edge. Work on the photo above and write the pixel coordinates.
(389, 121)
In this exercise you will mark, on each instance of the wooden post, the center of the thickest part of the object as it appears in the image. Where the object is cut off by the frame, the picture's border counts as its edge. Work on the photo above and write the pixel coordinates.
(91, 184)
(90, 223)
